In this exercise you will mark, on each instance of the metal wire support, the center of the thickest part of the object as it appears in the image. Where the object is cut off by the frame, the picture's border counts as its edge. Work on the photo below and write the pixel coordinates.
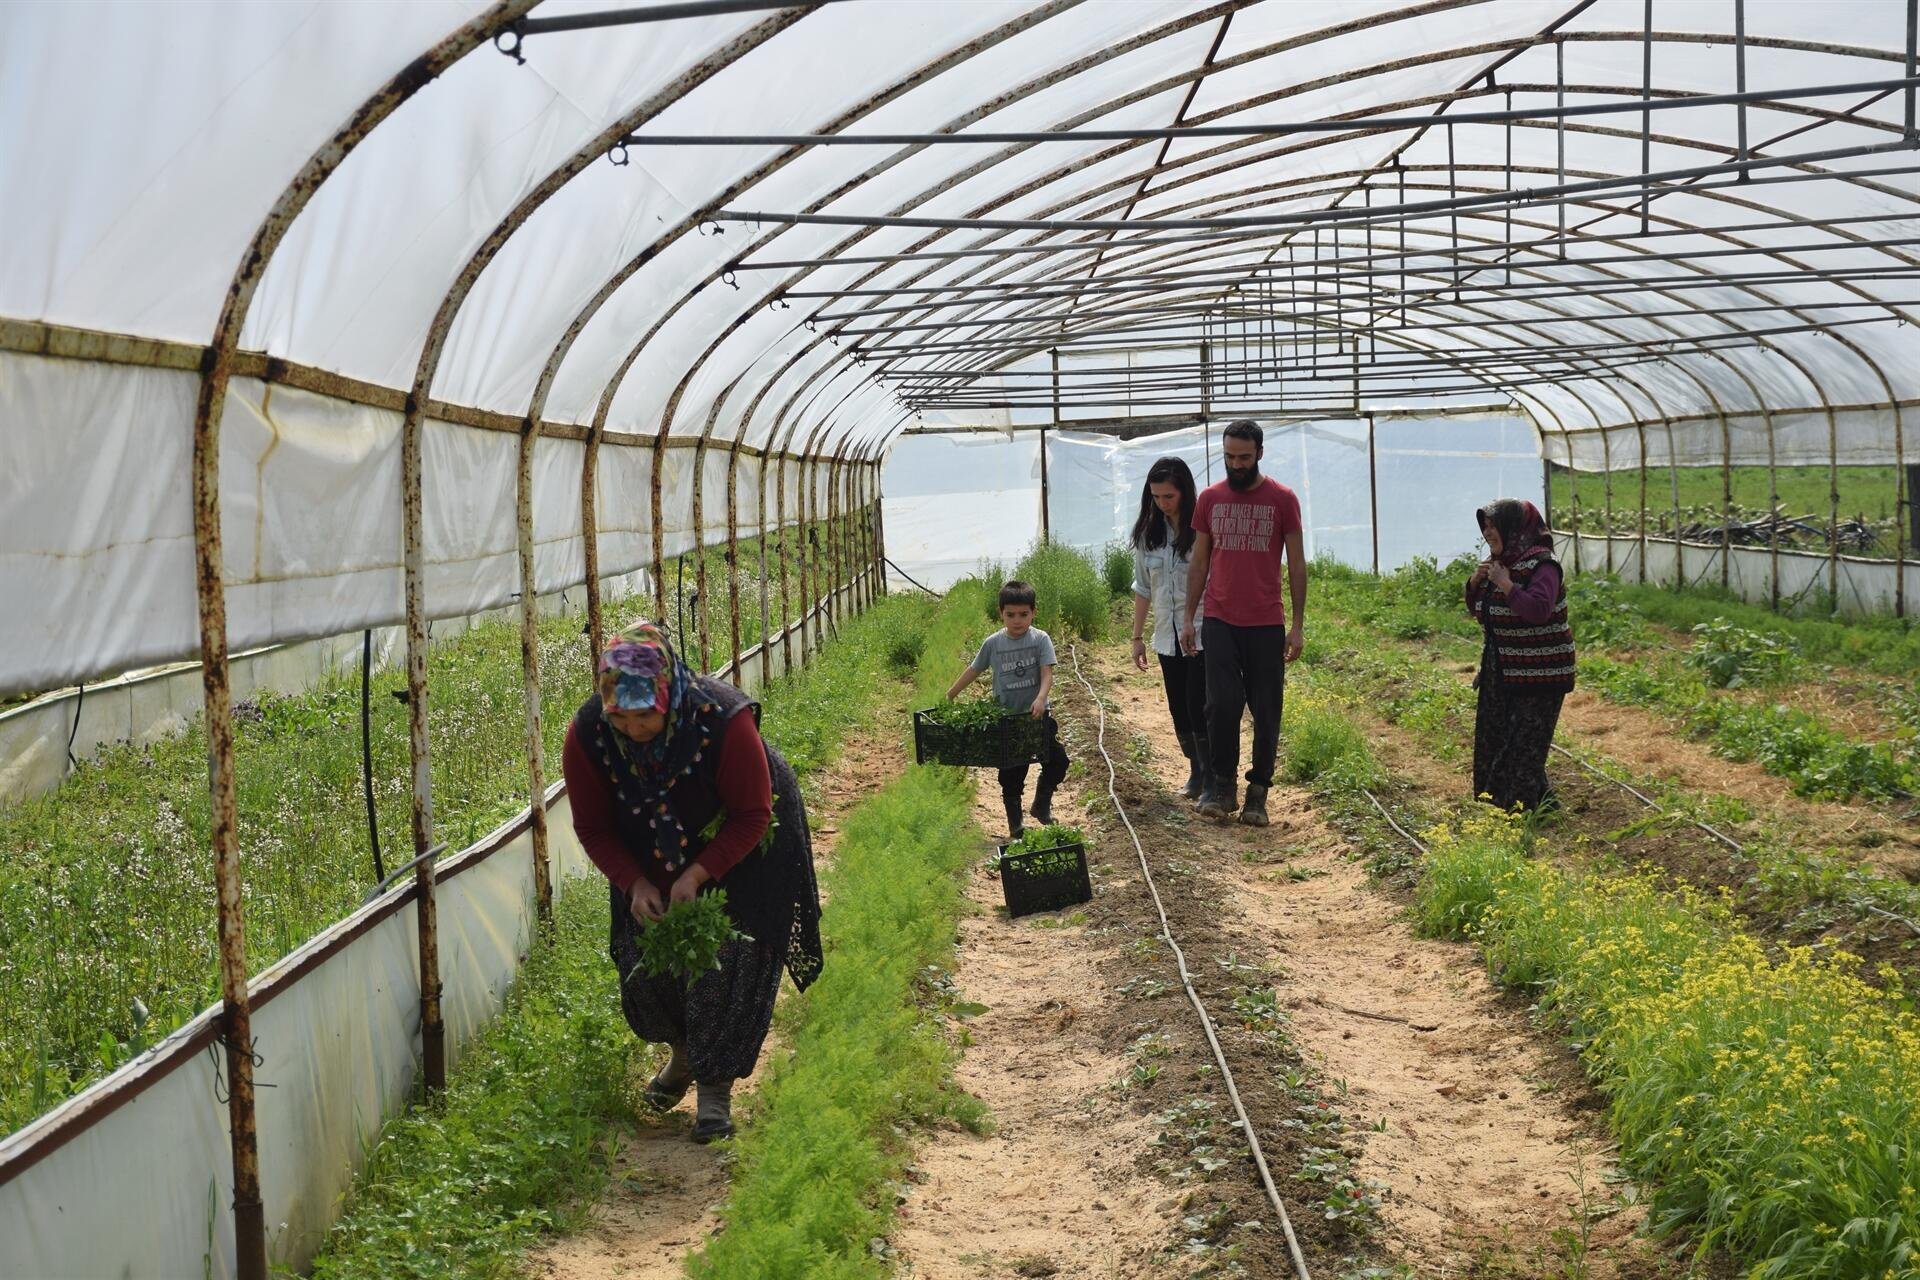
(1186, 980)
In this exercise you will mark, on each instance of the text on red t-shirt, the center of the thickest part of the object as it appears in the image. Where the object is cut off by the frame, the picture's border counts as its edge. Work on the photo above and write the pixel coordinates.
(1249, 531)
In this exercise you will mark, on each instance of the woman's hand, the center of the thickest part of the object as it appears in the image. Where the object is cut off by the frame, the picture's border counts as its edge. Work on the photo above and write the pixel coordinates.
(644, 901)
(687, 887)
(1497, 574)
(1140, 653)
(1479, 573)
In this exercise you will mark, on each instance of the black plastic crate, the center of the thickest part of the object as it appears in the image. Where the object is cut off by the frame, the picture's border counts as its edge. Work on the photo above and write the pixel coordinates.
(1017, 739)
(1045, 879)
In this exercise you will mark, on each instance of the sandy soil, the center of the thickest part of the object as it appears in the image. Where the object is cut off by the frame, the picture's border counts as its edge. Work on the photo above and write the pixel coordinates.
(1490, 1144)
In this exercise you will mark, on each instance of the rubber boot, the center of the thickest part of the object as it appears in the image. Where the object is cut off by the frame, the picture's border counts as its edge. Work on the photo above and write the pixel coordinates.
(1195, 747)
(1220, 799)
(1254, 812)
(1042, 810)
(713, 1115)
(1016, 827)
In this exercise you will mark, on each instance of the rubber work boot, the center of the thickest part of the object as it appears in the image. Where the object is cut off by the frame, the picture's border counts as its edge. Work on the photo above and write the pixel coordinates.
(1219, 800)
(1042, 810)
(1016, 827)
(1254, 812)
(1195, 747)
(671, 1084)
(713, 1115)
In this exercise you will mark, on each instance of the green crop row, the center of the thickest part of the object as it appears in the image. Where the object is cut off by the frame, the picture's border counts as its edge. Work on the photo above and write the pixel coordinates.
(1770, 1100)
(520, 1139)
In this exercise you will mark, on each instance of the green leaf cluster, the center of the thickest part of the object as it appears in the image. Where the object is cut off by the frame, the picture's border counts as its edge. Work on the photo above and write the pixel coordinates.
(1053, 835)
(968, 714)
(685, 942)
(1731, 657)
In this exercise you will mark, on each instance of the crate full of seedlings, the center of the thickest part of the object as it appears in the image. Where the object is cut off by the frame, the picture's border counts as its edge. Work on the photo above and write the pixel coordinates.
(1044, 870)
(978, 734)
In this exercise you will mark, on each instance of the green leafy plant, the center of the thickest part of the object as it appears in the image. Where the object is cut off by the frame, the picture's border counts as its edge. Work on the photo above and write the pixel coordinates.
(968, 714)
(1071, 595)
(685, 943)
(1731, 657)
(1116, 568)
(1601, 616)
(1054, 835)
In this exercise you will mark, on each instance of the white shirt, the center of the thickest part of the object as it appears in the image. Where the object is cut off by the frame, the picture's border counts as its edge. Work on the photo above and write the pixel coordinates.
(1160, 578)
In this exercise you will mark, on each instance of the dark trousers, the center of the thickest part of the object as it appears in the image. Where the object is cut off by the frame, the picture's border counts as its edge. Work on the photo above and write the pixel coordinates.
(1052, 770)
(1246, 671)
(1185, 678)
(1512, 733)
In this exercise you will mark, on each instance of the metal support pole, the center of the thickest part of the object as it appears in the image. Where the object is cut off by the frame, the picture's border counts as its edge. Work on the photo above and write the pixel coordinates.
(1641, 429)
(1680, 578)
(766, 590)
(1913, 64)
(700, 612)
(733, 562)
(1726, 504)
(530, 667)
(1740, 80)
(590, 545)
(1573, 500)
(1773, 511)
(249, 1216)
(657, 511)
(786, 610)
(1046, 524)
(1646, 112)
(1833, 511)
(1373, 493)
(1560, 151)
(1606, 492)
(433, 1054)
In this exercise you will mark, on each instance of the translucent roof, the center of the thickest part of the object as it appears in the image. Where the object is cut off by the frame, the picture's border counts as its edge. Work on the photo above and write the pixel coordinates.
(481, 233)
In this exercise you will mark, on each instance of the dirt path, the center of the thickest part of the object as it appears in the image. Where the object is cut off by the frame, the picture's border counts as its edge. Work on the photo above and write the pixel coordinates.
(1490, 1152)
(1055, 1189)
(663, 1200)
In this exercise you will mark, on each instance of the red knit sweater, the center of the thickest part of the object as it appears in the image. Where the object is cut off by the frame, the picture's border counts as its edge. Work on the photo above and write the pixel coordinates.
(746, 789)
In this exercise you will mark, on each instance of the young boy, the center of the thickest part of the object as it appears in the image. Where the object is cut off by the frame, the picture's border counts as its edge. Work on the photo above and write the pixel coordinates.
(1021, 658)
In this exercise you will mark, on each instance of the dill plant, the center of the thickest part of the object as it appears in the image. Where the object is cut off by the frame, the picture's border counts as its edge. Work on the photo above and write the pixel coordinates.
(1770, 1098)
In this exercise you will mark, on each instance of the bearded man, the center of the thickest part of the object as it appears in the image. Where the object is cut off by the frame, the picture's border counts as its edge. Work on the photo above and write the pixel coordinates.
(1244, 527)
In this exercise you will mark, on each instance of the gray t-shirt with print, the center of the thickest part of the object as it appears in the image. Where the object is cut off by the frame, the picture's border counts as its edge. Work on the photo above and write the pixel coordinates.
(1016, 665)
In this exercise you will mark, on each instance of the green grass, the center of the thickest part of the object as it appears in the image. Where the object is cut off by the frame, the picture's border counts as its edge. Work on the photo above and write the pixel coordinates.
(519, 1142)
(1770, 1100)
(1866, 493)
(106, 892)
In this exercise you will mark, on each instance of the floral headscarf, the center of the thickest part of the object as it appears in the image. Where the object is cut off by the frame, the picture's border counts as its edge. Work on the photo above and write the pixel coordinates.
(639, 671)
(1522, 527)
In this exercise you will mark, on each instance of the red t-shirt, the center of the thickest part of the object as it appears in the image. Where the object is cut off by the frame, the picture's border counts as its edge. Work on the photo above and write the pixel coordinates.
(1249, 531)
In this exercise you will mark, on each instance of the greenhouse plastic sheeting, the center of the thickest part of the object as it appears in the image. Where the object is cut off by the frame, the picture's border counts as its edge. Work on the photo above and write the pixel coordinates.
(97, 523)
(964, 504)
(133, 1196)
(956, 503)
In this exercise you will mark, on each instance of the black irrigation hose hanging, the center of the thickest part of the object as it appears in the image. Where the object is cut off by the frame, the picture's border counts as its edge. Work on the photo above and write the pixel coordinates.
(366, 751)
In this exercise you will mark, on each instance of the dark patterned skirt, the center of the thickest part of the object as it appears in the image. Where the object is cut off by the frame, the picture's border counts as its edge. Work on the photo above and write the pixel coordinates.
(722, 1017)
(1512, 733)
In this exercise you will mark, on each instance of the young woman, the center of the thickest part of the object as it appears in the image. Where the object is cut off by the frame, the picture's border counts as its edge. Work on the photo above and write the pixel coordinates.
(673, 791)
(1162, 547)
(1526, 660)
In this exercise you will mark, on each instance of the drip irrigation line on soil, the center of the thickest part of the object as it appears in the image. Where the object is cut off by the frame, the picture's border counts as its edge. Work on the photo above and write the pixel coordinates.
(1648, 801)
(909, 577)
(1186, 979)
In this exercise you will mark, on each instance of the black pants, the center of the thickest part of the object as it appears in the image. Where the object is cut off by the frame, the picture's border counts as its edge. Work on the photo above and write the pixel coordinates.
(1512, 733)
(1246, 671)
(1052, 770)
(1185, 677)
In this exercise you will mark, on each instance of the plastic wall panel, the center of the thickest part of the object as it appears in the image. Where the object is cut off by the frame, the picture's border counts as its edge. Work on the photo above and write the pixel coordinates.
(955, 503)
(1434, 473)
(1867, 587)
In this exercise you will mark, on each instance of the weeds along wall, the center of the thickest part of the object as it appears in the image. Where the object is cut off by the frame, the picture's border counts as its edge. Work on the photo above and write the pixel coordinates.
(134, 1176)
(1374, 493)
